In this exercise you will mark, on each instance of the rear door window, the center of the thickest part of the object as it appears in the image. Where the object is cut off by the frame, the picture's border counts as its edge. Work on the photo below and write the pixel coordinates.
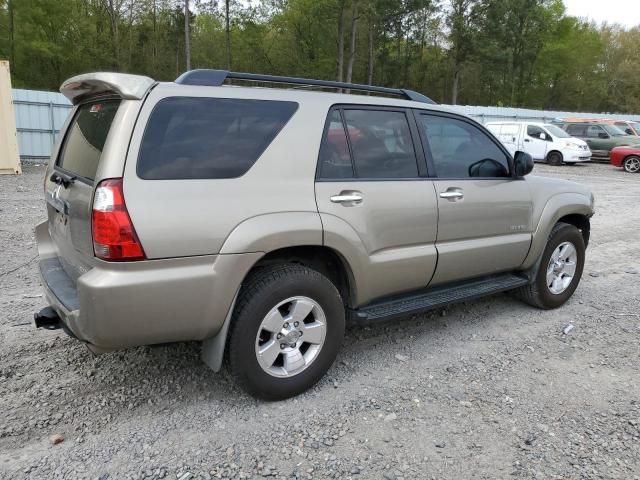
(381, 144)
(208, 138)
(367, 144)
(577, 130)
(85, 138)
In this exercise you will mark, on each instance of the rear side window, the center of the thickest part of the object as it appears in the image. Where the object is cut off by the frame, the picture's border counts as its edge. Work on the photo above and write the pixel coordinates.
(207, 138)
(335, 160)
(85, 138)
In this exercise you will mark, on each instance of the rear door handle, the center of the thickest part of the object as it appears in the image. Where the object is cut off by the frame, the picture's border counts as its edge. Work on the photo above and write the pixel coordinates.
(347, 198)
(452, 194)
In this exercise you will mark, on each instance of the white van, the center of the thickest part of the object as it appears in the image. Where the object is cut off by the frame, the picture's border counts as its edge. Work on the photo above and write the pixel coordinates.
(543, 141)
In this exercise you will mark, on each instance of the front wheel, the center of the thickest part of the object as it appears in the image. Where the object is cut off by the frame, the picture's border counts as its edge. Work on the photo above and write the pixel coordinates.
(560, 269)
(631, 164)
(286, 331)
(554, 158)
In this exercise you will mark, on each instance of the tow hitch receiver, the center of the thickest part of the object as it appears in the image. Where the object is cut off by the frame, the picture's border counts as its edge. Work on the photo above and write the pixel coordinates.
(47, 318)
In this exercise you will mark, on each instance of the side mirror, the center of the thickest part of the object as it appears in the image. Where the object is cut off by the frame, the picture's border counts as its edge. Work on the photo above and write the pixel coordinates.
(523, 163)
(603, 135)
(543, 136)
(629, 131)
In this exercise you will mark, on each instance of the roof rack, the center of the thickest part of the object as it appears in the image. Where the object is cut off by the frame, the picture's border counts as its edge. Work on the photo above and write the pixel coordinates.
(215, 78)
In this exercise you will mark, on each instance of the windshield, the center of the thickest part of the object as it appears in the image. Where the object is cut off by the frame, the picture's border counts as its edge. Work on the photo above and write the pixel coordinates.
(636, 127)
(614, 131)
(557, 131)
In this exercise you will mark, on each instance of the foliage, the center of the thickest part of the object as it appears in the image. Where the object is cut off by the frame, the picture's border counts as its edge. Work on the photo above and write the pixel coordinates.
(482, 52)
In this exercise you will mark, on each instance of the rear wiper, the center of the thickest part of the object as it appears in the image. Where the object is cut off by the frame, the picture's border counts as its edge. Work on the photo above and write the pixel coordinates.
(62, 179)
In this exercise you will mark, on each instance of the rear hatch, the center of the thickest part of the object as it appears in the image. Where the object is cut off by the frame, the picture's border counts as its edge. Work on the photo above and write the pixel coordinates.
(70, 183)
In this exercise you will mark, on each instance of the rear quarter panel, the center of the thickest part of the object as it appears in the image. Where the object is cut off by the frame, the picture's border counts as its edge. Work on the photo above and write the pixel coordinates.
(196, 217)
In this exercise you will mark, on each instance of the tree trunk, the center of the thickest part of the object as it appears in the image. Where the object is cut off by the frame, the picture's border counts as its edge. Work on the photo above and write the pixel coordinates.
(352, 46)
(187, 42)
(12, 45)
(340, 56)
(116, 43)
(371, 56)
(130, 35)
(456, 85)
(113, 10)
(407, 59)
(227, 33)
(154, 58)
(177, 59)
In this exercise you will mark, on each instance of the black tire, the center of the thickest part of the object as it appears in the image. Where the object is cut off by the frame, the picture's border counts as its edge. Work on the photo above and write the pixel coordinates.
(630, 164)
(537, 293)
(262, 291)
(555, 158)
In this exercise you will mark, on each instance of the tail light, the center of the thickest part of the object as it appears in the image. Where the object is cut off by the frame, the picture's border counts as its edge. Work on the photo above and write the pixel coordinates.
(114, 237)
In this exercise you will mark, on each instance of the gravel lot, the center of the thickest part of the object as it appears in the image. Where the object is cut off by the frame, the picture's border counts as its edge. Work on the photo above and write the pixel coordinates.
(485, 389)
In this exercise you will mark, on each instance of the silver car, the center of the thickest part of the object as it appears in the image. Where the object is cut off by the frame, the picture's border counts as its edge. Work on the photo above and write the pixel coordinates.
(260, 220)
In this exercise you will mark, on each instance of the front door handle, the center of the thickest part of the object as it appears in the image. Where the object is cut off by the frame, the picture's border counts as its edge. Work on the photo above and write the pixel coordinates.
(452, 194)
(350, 198)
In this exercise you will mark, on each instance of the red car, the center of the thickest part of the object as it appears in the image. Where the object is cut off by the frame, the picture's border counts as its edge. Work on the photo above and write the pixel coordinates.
(627, 158)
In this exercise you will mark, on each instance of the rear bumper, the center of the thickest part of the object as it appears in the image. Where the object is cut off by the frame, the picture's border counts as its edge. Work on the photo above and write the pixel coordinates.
(117, 305)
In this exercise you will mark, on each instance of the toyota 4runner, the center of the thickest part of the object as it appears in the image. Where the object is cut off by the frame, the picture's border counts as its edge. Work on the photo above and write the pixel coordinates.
(260, 220)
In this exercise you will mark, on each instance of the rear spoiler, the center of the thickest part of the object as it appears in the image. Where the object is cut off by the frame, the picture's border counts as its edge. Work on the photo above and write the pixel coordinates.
(124, 85)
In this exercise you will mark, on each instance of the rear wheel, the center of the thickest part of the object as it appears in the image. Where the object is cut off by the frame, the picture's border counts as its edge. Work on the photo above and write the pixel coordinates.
(631, 164)
(554, 158)
(287, 329)
(560, 269)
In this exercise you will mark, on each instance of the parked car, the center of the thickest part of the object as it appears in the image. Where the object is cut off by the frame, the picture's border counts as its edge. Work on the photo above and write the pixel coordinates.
(627, 158)
(260, 220)
(600, 137)
(627, 126)
(544, 142)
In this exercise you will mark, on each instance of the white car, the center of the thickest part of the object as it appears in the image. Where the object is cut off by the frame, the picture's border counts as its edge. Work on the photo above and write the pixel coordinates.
(543, 141)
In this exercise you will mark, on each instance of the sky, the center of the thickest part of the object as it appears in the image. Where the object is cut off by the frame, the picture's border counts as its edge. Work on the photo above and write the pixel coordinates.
(624, 12)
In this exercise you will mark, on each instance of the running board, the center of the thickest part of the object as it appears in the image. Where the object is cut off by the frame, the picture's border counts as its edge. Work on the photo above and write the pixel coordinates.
(440, 296)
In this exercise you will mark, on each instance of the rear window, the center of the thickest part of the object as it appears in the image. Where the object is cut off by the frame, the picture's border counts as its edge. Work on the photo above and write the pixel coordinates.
(206, 138)
(85, 138)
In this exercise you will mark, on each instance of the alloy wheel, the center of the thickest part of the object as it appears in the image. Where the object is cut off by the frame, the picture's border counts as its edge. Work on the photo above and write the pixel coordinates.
(561, 268)
(632, 165)
(290, 337)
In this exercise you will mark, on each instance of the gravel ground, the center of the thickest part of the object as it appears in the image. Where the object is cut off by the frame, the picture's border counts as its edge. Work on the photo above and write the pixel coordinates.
(485, 389)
